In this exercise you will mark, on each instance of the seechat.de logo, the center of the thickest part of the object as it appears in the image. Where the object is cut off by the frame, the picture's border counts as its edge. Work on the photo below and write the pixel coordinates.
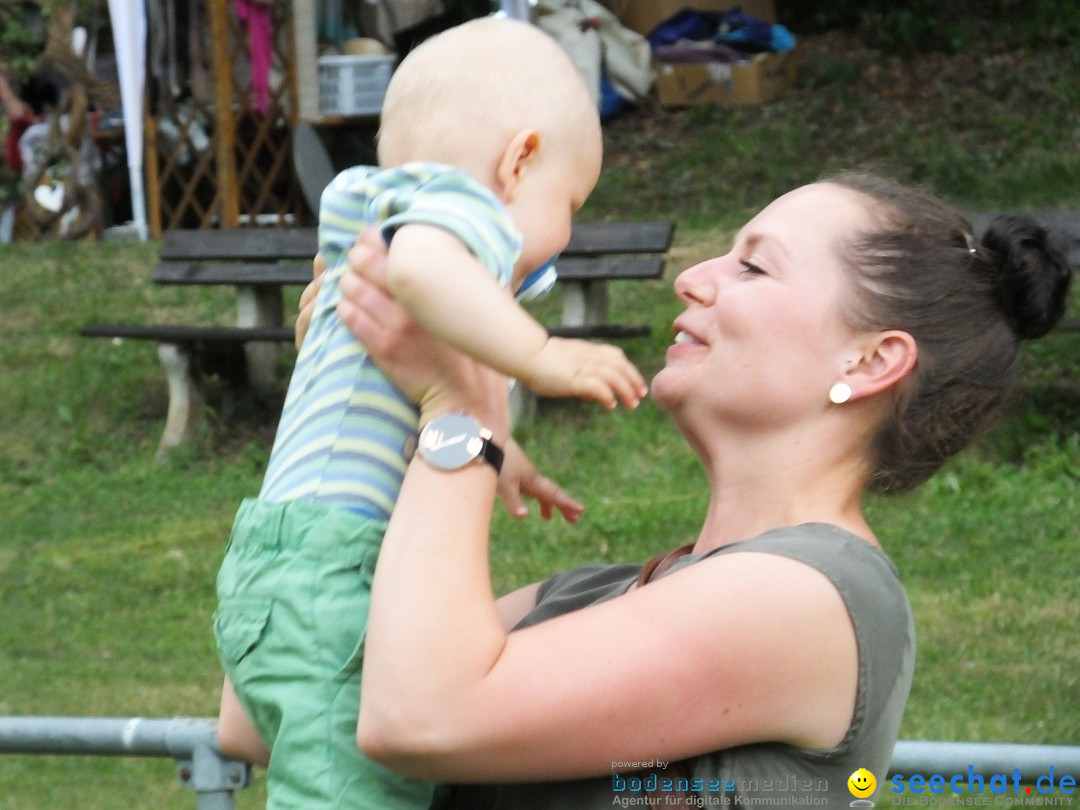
(1012, 788)
(861, 785)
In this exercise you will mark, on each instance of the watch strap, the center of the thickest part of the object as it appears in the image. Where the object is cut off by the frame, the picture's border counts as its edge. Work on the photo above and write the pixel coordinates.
(493, 455)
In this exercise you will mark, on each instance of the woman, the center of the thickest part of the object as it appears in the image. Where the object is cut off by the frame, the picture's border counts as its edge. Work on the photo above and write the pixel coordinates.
(856, 336)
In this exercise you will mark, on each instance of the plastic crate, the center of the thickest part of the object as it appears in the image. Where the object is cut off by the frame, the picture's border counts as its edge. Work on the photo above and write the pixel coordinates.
(353, 85)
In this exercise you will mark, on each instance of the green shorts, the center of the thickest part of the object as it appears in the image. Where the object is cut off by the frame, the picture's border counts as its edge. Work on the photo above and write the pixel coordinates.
(294, 591)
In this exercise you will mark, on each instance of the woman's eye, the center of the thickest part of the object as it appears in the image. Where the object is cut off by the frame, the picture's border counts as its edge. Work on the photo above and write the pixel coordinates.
(751, 268)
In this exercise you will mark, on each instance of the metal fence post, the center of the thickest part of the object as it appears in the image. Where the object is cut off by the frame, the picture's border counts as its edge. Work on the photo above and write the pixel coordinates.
(213, 777)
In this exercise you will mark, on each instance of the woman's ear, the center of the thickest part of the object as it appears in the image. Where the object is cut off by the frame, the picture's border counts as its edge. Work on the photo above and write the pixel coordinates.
(886, 359)
(521, 151)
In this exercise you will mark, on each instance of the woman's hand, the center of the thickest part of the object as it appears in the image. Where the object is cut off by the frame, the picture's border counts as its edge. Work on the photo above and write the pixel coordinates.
(429, 372)
(306, 306)
(520, 479)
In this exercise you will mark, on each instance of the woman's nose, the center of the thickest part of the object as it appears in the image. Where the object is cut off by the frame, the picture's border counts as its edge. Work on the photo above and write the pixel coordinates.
(697, 284)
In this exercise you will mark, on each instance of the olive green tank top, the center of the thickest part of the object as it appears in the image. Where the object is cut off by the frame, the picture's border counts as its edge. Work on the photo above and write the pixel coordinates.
(770, 775)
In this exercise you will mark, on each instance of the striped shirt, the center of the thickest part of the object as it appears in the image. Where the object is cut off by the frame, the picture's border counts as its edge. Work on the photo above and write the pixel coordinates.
(344, 425)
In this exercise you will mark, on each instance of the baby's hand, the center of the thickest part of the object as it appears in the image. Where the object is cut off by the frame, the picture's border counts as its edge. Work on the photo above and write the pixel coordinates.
(519, 478)
(568, 367)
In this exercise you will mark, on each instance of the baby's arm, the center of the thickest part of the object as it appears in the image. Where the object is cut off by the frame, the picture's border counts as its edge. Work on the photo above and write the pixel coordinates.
(449, 293)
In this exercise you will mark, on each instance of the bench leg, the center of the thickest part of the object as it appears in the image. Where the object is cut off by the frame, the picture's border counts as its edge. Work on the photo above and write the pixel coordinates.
(522, 405)
(585, 303)
(185, 397)
(260, 306)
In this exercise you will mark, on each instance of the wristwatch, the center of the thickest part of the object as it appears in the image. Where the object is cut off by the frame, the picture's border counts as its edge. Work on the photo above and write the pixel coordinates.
(451, 441)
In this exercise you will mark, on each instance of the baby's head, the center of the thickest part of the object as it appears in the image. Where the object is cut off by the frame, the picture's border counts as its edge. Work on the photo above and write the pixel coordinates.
(502, 100)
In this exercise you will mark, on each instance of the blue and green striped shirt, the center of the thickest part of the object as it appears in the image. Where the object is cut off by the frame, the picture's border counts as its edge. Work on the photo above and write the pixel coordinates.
(344, 425)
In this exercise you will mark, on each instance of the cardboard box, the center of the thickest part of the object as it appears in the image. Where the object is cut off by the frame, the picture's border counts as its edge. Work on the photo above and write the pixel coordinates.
(756, 81)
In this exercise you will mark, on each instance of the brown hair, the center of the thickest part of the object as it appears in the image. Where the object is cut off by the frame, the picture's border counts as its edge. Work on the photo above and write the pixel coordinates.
(966, 302)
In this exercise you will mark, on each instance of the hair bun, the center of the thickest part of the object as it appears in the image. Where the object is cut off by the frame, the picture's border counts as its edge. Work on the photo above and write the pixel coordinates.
(1033, 274)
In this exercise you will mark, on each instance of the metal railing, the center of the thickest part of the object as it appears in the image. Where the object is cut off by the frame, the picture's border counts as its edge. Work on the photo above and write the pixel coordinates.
(986, 759)
(202, 767)
(192, 742)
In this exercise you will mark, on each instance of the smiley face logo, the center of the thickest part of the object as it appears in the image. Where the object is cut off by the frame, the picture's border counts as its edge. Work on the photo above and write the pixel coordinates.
(861, 783)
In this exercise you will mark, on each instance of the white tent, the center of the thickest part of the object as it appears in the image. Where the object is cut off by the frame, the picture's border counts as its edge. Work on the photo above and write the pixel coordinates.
(128, 18)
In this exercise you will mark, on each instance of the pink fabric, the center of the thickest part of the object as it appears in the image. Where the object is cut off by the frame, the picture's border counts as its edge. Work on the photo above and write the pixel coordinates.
(261, 33)
(12, 156)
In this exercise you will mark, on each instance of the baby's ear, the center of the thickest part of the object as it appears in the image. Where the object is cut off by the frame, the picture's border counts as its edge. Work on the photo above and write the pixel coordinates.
(520, 152)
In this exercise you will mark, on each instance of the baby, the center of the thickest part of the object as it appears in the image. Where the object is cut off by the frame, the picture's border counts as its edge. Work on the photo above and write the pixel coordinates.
(490, 141)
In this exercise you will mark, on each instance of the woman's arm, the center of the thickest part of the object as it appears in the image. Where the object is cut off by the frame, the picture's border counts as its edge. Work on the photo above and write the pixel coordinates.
(515, 606)
(739, 648)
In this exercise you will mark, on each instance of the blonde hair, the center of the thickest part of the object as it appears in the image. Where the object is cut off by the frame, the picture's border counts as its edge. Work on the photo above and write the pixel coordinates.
(479, 83)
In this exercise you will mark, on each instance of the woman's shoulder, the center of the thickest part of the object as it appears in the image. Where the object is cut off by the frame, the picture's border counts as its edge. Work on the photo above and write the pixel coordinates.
(836, 552)
(843, 557)
(866, 578)
(877, 604)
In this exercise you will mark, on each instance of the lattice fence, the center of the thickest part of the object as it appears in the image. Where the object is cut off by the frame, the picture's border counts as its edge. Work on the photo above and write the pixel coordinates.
(214, 159)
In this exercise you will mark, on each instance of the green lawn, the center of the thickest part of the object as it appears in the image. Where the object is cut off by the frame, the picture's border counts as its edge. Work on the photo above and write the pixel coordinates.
(107, 559)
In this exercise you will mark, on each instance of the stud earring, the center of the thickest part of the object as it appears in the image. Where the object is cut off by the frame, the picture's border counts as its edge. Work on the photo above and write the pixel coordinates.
(840, 393)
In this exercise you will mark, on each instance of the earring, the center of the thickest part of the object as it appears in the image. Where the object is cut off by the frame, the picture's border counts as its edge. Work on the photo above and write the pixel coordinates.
(840, 393)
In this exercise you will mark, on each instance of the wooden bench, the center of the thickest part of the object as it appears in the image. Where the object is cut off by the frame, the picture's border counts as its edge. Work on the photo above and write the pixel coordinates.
(191, 353)
(260, 263)
(597, 254)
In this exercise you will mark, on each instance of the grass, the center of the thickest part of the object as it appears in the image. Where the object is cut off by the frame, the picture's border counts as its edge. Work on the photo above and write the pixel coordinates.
(107, 559)
(988, 129)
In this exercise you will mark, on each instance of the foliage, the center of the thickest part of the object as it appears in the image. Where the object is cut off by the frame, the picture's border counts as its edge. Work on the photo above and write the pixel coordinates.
(10, 182)
(944, 25)
(469, 9)
(30, 29)
(22, 34)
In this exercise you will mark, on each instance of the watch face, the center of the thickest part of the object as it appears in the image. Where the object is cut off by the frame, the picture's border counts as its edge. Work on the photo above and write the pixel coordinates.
(451, 441)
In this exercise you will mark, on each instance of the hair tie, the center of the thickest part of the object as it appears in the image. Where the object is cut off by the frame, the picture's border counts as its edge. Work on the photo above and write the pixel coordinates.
(971, 244)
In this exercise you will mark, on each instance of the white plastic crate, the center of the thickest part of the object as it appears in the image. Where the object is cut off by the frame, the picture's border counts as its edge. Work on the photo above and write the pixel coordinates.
(353, 85)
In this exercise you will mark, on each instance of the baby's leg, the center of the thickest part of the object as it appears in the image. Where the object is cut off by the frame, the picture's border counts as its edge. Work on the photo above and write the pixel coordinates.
(236, 734)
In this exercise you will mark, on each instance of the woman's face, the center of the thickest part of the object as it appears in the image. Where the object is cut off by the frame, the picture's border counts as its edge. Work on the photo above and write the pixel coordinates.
(761, 340)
